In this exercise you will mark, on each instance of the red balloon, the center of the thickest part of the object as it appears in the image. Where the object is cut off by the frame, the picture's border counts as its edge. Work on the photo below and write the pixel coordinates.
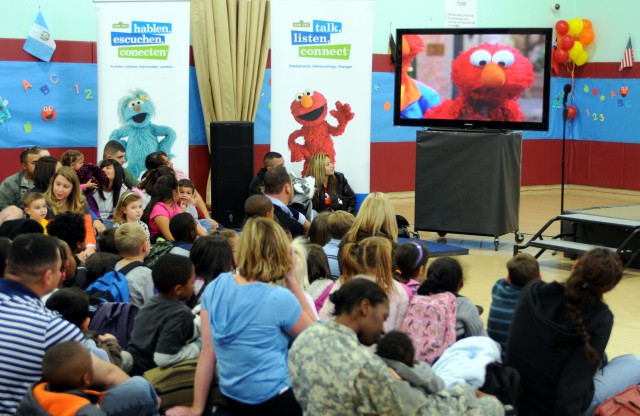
(567, 41)
(572, 112)
(554, 62)
(562, 27)
(562, 56)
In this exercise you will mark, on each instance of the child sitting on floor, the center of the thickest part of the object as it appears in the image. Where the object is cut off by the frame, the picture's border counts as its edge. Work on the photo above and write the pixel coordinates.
(67, 371)
(35, 206)
(445, 275)
(129, 209)
(522, 269)
(184, 231)
(73, 304)
(397, 351)
(164, 327)
(410, 262)
(258, 206)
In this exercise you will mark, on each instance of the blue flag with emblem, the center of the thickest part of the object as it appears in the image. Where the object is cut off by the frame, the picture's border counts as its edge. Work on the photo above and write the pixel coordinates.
(39, 42)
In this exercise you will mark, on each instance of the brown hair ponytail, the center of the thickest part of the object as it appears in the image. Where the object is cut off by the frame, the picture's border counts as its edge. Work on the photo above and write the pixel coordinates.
(596, 272)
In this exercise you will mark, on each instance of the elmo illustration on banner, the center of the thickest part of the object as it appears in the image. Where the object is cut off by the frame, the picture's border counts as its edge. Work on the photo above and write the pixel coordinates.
(624, 90)
(49, 113)
(490, 78)
(310, 109)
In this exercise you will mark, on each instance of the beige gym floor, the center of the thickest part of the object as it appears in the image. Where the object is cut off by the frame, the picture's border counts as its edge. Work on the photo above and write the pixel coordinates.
(538, 204)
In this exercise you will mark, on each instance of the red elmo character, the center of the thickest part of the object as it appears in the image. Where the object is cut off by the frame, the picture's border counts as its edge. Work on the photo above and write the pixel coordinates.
(490, 78)
(48, 113)
(310, 109)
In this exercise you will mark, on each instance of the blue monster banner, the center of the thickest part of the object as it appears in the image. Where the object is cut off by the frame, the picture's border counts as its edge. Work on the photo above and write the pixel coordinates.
(143, 76)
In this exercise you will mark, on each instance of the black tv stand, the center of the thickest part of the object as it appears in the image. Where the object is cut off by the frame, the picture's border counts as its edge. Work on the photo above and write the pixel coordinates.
(470, 130)
(468, 182)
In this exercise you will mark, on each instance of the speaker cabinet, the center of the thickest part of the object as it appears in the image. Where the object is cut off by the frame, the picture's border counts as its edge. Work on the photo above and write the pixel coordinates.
(231, 170)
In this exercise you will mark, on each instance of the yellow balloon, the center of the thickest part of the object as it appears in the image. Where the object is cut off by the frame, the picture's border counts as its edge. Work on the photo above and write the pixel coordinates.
(575, 26)
(576, 51)
(582, 59)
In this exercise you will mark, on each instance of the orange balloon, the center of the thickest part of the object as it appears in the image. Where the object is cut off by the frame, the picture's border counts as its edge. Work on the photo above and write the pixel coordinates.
(587, 24)
(586, 37)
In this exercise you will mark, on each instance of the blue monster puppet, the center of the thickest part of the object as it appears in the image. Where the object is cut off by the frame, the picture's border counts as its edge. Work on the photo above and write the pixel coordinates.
(143, 137)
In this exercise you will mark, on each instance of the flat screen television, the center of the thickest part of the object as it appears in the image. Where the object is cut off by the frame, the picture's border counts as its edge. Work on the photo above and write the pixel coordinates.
(473, 78)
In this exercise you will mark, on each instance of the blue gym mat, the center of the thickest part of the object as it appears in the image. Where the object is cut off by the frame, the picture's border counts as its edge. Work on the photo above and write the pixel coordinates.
(437, 249)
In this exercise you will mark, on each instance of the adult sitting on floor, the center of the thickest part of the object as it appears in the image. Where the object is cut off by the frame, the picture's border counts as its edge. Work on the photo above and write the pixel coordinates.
(333, 373)
(271, 160)
(279, 189)
(15, 186)
(34, 269)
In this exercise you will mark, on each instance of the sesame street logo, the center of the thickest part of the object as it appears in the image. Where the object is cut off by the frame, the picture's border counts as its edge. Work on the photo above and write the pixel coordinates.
(316, 43)
(148, 38)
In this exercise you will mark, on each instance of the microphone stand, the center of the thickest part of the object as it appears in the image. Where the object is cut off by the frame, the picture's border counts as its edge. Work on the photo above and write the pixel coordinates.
(564, 138)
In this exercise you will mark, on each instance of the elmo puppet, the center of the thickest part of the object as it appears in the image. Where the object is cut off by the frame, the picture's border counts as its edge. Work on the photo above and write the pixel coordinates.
(415, 97)
(490, 78)
(310, 109)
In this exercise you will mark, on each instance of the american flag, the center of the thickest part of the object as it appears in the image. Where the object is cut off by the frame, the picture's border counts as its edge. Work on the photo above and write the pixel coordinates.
(627, 58)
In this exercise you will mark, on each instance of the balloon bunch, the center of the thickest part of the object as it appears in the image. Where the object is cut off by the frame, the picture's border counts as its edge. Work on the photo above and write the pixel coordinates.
(573, 37)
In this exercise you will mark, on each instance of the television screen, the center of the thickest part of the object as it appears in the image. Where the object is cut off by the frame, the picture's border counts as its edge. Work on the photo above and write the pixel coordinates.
(473, 78)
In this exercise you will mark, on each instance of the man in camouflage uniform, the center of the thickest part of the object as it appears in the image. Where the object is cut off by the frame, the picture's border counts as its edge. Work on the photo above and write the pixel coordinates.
(333, 374)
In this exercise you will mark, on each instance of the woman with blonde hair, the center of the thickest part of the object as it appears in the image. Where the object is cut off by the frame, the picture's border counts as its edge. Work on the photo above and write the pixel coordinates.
(300, 247)
(376, 218)
(371, 259)
(247, 325)
(333, 192)
(64, 195)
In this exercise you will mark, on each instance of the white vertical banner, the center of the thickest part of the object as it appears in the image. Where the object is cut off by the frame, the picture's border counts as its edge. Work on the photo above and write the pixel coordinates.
(143, 78)
(321, 55)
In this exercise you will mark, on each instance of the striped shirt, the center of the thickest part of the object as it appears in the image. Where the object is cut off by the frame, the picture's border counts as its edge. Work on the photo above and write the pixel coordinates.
(27, 330)
(504, 300)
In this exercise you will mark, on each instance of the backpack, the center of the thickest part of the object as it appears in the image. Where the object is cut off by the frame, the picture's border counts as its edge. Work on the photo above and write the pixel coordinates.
(159, 249)
(503, 382)
(430, 322)
(624, 403)
(115, 319)
(403, 227)
(174, 385)
(42, 401)
(323, 297)
(112, 286)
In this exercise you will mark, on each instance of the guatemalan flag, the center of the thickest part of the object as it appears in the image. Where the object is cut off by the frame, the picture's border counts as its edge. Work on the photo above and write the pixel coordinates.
(39, 42)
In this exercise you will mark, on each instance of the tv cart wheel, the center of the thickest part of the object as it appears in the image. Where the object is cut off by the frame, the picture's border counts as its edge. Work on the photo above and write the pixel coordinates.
(496, 243)
(519, 237)
(441, 234)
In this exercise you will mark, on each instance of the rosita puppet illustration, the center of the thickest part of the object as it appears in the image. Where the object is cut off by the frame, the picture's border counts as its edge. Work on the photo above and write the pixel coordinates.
(415, 97)
(490, 78)
(135, 111)
(310, 109)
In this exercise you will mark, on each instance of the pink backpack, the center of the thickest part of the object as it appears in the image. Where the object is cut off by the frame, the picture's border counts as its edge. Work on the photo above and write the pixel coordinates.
(430, 322)
(323, 297)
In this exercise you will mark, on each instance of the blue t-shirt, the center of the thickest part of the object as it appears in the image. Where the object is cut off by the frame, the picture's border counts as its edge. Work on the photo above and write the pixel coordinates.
(249, 324)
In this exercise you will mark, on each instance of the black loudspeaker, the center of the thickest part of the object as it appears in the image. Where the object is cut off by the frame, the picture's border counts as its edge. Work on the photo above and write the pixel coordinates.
(231, 170)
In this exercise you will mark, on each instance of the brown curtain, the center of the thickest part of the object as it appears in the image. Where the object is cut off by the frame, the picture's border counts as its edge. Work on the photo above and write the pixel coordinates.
(230, 40)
